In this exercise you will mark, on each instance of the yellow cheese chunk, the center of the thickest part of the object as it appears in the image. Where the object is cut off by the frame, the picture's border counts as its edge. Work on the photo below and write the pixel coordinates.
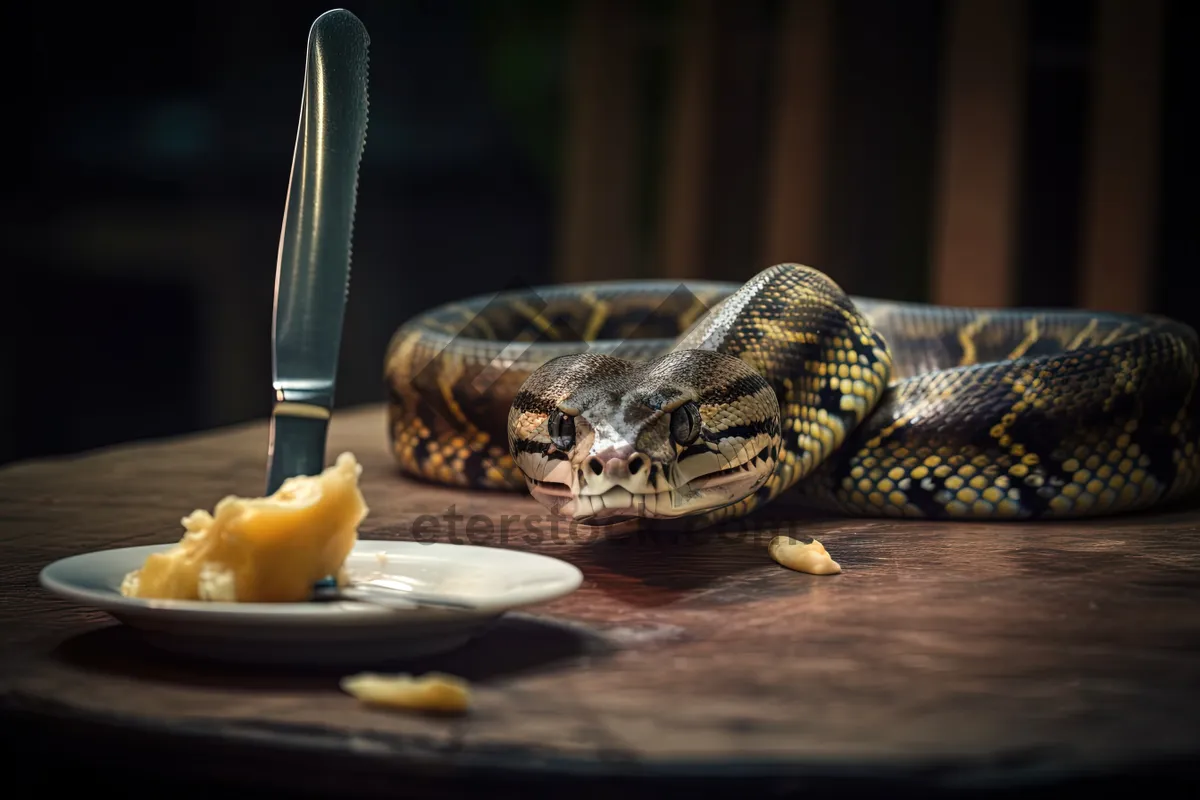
(433, 691)
(812, 558)
(263, 549)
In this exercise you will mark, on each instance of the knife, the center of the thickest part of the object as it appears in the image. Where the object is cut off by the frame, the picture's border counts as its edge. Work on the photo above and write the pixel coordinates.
(312, 274)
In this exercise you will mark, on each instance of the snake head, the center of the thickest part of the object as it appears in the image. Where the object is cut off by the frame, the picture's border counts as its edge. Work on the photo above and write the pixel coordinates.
(603, 440)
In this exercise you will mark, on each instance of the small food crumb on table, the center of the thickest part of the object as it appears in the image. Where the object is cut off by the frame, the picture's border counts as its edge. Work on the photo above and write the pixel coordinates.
(432, 692)
(810, 557)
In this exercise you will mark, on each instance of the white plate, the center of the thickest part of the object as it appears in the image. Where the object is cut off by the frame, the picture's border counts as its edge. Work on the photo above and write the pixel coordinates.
(326, 633)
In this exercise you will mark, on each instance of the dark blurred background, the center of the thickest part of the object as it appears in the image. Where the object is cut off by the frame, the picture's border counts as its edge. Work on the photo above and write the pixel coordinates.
(985, 152)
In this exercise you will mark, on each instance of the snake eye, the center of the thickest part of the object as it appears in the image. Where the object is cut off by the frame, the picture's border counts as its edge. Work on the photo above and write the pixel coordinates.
(685, 424)
(561, 428)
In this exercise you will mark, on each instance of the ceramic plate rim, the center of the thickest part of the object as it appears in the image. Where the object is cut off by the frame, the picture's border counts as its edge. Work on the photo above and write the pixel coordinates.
(310, 613)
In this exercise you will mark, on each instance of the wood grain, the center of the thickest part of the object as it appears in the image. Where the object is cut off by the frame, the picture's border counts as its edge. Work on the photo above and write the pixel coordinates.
(950, 655)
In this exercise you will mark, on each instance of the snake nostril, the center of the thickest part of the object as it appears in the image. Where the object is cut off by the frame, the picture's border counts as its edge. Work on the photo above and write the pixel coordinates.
(635, 465)
(595, 466)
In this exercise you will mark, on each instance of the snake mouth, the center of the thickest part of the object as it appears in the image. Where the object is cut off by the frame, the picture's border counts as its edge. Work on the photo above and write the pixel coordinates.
(734, 474)
(617, 505)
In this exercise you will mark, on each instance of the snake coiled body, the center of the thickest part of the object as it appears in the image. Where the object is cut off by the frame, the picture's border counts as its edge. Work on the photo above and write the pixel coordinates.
(699, 402)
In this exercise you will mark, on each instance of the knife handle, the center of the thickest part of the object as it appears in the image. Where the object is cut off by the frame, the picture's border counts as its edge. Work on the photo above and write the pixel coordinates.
(298, 432)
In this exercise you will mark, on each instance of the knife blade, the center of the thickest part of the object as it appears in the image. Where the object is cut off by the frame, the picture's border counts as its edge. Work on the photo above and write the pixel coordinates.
(312, 274)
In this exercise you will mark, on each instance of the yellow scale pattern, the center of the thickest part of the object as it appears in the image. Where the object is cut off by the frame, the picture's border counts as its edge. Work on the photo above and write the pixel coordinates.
(840, 371)
(1091, 470)
(431, 437)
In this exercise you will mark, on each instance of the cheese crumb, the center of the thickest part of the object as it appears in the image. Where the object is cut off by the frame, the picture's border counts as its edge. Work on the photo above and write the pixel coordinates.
(811, 558)
(432, 692)
(217, 584)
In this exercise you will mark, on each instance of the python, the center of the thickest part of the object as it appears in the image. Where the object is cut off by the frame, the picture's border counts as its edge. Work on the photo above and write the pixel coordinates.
(697, 402)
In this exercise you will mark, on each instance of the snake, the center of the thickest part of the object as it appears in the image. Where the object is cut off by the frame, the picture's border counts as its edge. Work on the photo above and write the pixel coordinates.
(690, 403)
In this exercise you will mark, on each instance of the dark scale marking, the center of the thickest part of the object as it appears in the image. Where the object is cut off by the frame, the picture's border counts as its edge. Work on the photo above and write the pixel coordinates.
(735, 389)
(924, 500)
(474, 466)
(1035, 503)
(790, 440)
(528, 402)
(1159, 446)
(660, 397)
(637, 413)
(540, 448)
(748, 431)
(1043, 347)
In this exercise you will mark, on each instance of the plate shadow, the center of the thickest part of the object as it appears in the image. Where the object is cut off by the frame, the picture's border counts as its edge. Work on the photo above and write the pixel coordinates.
(514, 644)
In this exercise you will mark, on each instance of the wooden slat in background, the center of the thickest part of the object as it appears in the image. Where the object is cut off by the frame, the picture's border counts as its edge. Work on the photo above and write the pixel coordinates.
(1121, 186)
(713, 116)
(689, 141)
(712, 201)
(598, 227)
(797, 175)
(982, 105)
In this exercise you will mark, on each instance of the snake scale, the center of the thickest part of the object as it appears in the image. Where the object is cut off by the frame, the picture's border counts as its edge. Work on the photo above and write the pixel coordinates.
(689, 403)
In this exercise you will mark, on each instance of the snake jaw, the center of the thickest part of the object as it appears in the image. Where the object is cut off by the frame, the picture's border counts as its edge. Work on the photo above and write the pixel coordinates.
(614, 496)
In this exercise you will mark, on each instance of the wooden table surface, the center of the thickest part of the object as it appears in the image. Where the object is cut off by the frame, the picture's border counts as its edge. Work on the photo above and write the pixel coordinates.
(945, 655)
